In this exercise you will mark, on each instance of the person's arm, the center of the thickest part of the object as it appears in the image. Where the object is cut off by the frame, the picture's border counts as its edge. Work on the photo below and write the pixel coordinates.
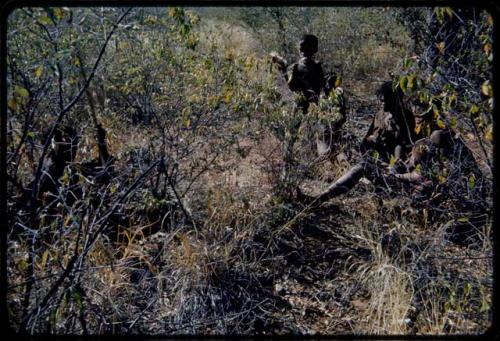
(370, 139)
(344, 183)
(281, 62)
(294, 83)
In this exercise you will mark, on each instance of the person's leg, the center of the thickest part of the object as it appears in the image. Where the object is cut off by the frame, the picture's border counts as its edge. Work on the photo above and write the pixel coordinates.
(345, 183)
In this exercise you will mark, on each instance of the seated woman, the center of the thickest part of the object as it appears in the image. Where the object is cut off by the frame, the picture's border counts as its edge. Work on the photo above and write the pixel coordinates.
(392, 131)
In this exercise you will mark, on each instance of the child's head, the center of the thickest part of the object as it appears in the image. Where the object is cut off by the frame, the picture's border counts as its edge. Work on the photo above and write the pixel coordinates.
(392, 98)
(308, 45)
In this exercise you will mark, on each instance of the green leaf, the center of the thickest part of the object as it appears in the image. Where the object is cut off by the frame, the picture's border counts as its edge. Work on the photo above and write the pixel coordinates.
(23, 264)
(45, 20)
(407, 62)
(487, 89)
(453, 122)
(435, 110)
(472, 181)
(423, 97)
(78, 299)
(58, 13)
(418, 128)
(447, 87)
(440, 123)
(441, 47)
(467, 289)
(427, 130)
(449, 12)
(453, 100)
(12, 103)
(485, 306)
(418, 169)
(21, 92)
(488, 135)
(403, 83)
(338, 81)
(228, 96)
(392, 161)
(39, 71)
(45, 256)
(411, 82)
(439, 11)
